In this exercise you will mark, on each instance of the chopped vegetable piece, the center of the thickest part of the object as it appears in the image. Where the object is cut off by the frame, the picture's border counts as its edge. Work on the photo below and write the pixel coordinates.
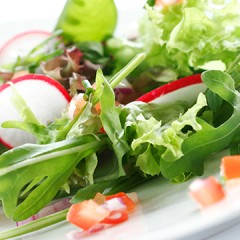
(230, 167)
(115, 204)
(87, 214)
(206, 191)
(116, 216)
(125, 199)
(21, 44)
(187, 89)
(34, 98)
(232, 186)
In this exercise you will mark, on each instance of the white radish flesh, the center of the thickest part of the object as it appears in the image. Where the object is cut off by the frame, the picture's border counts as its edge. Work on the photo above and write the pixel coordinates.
(46, 98)
(21, 44)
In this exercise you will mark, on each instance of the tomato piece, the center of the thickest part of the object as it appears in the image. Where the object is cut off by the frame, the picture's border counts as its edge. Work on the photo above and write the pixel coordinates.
(230, 167)
(206, 191)
(125, 199)
(87, 214)
(116, 217)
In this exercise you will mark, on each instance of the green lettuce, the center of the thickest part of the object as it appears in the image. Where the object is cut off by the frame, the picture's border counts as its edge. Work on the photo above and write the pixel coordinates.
(191, 36)
(155, 139)
(87, 20)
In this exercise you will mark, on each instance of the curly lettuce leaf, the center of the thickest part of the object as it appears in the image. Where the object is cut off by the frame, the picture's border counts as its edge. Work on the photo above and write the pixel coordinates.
(155, 139)
(192, 36)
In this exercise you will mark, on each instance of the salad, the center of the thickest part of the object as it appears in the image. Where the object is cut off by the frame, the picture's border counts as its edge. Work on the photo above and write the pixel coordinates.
(128, 109)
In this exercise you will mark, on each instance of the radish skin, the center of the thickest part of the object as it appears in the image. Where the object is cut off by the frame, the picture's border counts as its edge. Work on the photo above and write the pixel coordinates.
(46, 97)
(183, 89)
(21, 44)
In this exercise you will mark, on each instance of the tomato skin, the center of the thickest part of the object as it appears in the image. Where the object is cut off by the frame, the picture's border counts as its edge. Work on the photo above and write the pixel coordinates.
(86, 214)
(230, 167)
(125, 199)
(206, 191)
(101, 210)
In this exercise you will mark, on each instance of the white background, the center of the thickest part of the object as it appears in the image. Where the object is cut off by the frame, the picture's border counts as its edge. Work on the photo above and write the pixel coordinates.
(20, 15)
(11, 10)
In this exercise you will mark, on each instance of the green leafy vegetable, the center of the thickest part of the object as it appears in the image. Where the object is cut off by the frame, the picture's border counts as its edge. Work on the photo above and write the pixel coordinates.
(53, 163)
(210, 139)
(87, 20)
(191, 36)
(154, 141)
(40, 171)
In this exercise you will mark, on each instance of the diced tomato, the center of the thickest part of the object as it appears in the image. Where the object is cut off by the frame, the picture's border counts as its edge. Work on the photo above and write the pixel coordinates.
(230, 167)
(206, 191)
(92, 214)
(87, 214)
(126, 200)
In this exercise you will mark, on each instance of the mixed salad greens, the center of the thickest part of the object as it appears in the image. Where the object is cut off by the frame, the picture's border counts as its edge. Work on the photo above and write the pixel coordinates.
(130, 141)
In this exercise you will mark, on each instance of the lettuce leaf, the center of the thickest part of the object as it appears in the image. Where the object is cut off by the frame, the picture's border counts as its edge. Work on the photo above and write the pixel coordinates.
(154, 140)
(192, 36)
(87, 20)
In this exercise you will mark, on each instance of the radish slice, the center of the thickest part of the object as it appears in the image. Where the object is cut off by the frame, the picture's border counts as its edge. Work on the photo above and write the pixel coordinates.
(21, 44)
(46, 97)
(184, 89)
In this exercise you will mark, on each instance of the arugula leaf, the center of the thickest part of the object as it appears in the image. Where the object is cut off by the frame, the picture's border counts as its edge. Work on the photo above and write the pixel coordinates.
(53, 163)
(210, 139)
(90, 191)
(39, 171)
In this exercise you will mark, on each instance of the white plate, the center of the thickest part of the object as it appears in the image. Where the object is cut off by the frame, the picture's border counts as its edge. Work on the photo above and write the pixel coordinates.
(165, 210)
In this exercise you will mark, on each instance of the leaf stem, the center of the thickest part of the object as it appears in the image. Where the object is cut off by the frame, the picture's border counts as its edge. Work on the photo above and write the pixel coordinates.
(123, 73)
(55, 154)
(232, 65)
(34, 225)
